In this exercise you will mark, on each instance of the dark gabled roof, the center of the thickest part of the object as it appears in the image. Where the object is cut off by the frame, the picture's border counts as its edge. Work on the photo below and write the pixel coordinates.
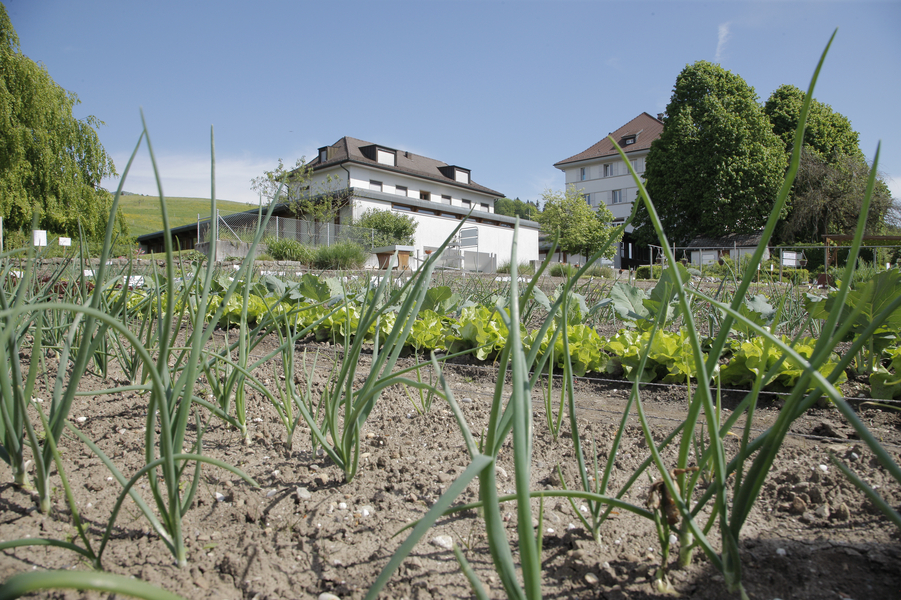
(644, 128)
(733, 240)
(349, 149)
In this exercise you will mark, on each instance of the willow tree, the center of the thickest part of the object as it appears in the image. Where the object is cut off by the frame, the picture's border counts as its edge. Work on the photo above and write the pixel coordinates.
(717, 166)
(50, 161)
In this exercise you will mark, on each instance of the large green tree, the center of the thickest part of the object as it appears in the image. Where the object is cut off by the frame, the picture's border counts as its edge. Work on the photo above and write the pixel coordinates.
(717, 166)
(832, 177)
(581, 229)
(50, 161)
(826, 133)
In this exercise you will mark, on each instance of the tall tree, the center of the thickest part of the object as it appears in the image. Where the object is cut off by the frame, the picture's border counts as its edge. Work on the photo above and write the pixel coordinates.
(832, 177)
(581, 229)
(826, 133)
(717, 166)
(50, 162)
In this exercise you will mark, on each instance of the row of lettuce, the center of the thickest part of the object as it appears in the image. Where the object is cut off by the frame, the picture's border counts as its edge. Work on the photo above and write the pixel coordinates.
(450, 324)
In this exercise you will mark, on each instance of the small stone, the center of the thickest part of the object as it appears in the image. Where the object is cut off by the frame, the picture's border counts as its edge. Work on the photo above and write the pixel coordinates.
(271, 493)
(591, 579)
(781, 552)
(466, 400)
(220, 497)
(81, 419)
(443, 541)
(822, 511)
(303, 494)
(342, 506)
(327, 596)
(824, 468)
(798, 506)
(842, 513)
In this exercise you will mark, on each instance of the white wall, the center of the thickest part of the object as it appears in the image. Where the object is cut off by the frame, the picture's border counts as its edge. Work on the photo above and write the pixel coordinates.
(433, 230)
(360, 176)
(600, 187)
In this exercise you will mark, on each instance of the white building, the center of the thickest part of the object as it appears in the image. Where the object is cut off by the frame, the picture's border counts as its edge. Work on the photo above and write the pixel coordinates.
(436, 194)
(604, 179)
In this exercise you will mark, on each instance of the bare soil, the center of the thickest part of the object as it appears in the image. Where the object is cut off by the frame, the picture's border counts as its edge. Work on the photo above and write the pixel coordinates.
(306, 532)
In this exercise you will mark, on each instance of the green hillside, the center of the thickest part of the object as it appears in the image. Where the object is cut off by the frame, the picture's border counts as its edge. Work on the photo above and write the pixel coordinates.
(142, 213)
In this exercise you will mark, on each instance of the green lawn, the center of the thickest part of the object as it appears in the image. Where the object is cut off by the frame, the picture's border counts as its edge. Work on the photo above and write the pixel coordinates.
(142, 213)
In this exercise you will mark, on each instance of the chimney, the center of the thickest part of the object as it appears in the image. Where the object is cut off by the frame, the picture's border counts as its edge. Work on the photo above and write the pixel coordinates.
(660, 116)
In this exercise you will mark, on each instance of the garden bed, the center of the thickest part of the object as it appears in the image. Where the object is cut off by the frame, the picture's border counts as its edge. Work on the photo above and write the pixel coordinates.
(305, 531)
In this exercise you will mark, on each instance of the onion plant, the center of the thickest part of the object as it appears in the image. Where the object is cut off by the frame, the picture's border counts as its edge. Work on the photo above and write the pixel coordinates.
(511, 417)
(759, 453)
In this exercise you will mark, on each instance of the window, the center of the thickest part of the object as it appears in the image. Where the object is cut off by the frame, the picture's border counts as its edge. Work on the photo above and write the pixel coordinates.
(616, 196)
(466, 203)
(401, 207)
(486, 207)
(385, 157)
(582, 174)
(445, 199)
(629, 140)
(608, 170)
(461, 176)
(587, 198)
(323, 155)
(400, 190)
(638, 165)
(424, 195)
(375, 186)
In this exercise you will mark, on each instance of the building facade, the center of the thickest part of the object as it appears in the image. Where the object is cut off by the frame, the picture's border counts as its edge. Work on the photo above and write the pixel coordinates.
(436, 194)
(604, 178)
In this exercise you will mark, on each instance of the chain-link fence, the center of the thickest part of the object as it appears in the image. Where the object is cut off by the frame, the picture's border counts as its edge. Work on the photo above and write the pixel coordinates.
(242, 227)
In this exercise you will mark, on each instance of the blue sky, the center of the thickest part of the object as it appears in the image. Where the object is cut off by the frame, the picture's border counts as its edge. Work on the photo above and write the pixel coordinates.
(504, 88)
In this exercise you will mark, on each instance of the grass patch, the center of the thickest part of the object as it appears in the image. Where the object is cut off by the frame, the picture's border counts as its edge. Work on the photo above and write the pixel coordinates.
(143, 215)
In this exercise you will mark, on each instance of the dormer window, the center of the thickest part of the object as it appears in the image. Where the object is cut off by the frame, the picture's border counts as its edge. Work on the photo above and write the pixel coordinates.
(628, 140)
(323, 155)
(458, 174)
(385, 157)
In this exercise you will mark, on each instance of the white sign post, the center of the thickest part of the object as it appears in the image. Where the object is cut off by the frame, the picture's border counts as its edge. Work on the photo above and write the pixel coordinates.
(39, 237)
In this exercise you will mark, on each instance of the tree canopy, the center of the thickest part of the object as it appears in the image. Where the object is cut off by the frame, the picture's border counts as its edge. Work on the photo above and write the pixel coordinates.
(826, 133)
(391, 228)
(581, 229)
(50, 161)
(517, 208)
(717, 166)
(832, 177)
(827, 197)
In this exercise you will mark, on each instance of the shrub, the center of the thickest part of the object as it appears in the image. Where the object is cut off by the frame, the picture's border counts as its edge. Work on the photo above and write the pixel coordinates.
(523, 268)
(599, 271)
(340, 256)
(562, 270)
(289, 249)
(390, 228)
(648, 272)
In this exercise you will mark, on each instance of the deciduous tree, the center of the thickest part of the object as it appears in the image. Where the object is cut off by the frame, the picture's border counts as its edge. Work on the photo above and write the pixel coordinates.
(391, 228)
(517, 208)
(717, 166)
(581, 229)
(50, 161)
(833, 173)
